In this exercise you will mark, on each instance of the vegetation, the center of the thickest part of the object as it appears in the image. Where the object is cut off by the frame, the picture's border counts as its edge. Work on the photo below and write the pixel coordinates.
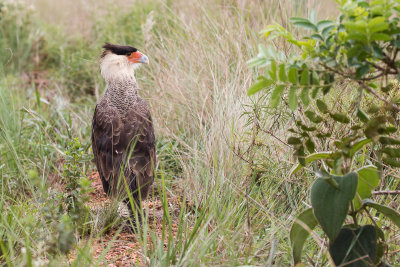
(224, 182)
(359, 52)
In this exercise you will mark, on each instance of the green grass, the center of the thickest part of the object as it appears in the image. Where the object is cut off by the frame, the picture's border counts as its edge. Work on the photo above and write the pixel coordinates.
(196, 86)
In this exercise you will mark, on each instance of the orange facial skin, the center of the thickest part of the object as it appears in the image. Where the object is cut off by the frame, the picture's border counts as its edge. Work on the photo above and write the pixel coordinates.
(134, 57)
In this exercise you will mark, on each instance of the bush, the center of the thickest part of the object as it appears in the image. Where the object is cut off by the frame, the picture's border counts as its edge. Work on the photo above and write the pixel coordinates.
(20, 41)
(341, 87)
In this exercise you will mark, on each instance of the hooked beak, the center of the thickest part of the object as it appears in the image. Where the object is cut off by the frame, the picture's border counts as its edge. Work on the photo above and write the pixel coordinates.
(138, 57)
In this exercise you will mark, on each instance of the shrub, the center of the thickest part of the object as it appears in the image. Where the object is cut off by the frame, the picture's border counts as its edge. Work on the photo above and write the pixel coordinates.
(341, 87)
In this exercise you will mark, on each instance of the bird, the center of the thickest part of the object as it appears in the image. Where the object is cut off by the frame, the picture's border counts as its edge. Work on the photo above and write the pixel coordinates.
(123, 139)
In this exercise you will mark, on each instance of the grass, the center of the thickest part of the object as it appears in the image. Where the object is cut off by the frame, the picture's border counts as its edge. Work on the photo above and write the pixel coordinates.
(196, 86)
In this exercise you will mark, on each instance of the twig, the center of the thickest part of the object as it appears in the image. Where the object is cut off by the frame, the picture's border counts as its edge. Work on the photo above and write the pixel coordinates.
(372, 91)
(386, 192)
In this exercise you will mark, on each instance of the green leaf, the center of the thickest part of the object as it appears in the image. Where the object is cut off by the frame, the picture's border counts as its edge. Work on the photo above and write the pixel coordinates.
(330, 205)
(362, 115)
(380, 37)
(263, 83)
(256, 62)
(305, 96)
(293, 140)
(314, 92)
(301, 155)
(361, 71)
(387, 140)
(368, 180)
(353, 244)
(262, 51)
(392, 152)
(310, 158)
(357, 146)
(312, 116)
(272, 71)
(303, 23)
(326, 31)
(293, 98)
(305, 77)
(276, 95)
(293, 76)
(340, 117)
(359, 25)
(315, 78)
(357, 36)
(324, 23)
(317, 37)
(392, 162)
(310, 145)
(377, 24)
(392, 214)
(282, 73)
(298, 19)
(301, 228)
(322, 107)
(306, 25)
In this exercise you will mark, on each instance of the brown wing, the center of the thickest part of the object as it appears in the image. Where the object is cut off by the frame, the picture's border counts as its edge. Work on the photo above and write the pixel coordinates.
(126, 141)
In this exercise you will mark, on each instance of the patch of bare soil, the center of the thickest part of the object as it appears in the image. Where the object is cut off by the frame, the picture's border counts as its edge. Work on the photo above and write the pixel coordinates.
(126, 250)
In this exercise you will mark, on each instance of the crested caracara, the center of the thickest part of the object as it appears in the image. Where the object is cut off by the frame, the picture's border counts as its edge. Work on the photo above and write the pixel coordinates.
(123, 140)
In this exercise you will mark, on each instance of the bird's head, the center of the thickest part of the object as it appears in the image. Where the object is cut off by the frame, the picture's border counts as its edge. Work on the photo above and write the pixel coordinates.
(119, 61)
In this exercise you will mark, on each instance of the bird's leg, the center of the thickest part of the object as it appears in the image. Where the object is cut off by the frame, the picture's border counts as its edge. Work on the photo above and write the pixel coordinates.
(135, 213)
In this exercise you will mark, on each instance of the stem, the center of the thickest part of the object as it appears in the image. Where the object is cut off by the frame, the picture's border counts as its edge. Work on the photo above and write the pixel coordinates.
(353, 214)
(372, 91)
(386, 192)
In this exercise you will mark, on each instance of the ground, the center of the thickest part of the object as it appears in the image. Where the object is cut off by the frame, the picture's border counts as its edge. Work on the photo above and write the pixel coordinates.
(126, 250)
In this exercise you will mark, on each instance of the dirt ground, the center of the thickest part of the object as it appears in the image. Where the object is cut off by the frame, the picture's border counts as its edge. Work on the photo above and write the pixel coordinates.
(126, 250)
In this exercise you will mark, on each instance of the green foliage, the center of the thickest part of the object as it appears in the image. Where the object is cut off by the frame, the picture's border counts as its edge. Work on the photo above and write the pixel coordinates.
(301, 229)
(77, 184)
(358, 246)
(330, 199)
(359, 53)
(18, 41)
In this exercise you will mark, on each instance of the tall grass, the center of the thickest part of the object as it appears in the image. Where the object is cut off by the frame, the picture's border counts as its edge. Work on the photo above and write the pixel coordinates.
(196, 86)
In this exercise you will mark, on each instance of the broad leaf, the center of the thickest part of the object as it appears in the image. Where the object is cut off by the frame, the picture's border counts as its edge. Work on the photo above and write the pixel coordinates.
(282, 73)
(322, 107)
(304, 23)
(305, 96)
(324, 23)
(293, 76)
(377, 24)
(368, 180)
(357, 146)
(310, 158)
(305, 77)
(276, 95)
(293, 98)
(299, 234)
(393, 152)
(362, 115)
(393, 215)
(340, 117)
(307, 25)
(272, 71)
(353, 244)
(387, 140)
(394, 162)
(293, 140)
(258, 86)
(380, 37)
(331, 205)
(312, 116)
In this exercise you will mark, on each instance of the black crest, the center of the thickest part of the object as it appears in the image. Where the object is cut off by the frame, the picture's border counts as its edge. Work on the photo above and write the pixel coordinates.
(118, 49)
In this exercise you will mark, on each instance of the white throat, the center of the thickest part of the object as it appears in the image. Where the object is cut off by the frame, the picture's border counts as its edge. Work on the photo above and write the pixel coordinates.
(117, 67)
